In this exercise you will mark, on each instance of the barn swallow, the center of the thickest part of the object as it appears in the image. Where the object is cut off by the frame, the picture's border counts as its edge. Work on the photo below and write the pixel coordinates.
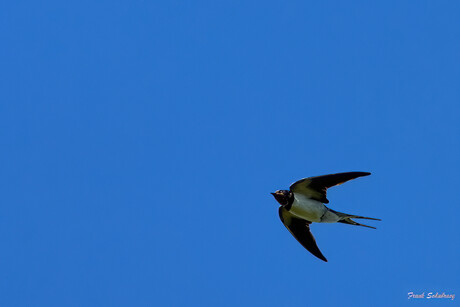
(304, 202)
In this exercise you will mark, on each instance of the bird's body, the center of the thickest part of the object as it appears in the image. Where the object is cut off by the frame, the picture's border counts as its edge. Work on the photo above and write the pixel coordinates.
(304, 203)
(312, 210)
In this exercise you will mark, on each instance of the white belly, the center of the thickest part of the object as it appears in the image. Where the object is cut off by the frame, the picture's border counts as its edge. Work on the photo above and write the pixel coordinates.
(307, 208)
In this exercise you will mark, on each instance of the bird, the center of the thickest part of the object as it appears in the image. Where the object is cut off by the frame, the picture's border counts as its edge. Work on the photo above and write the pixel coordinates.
(304, 203)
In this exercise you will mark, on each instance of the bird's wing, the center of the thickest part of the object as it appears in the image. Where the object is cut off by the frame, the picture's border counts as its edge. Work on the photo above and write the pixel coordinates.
(300, 229)
(316, 187)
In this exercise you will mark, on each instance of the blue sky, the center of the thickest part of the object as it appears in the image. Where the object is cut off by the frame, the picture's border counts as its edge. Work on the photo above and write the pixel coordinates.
(141, 139)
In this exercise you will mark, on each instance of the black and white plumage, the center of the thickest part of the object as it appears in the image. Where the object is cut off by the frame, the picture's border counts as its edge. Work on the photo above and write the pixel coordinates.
(304, 203)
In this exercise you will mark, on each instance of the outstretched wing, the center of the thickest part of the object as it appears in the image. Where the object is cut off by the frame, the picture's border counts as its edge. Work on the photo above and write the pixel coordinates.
(300, 229)
(316, 187)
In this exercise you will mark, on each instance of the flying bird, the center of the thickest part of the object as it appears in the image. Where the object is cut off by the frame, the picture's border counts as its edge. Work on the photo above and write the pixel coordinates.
(304, 202)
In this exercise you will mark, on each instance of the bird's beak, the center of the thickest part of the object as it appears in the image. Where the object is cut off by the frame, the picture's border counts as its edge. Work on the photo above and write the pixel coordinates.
(272, 194)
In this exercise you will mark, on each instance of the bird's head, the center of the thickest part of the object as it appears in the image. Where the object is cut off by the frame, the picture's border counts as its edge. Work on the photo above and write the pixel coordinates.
(284, 197)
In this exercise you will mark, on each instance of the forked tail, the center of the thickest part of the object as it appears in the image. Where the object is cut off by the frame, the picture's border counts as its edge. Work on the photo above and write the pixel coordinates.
(347, 219)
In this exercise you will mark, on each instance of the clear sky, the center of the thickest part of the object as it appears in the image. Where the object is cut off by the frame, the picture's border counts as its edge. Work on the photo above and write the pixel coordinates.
(141, 139)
